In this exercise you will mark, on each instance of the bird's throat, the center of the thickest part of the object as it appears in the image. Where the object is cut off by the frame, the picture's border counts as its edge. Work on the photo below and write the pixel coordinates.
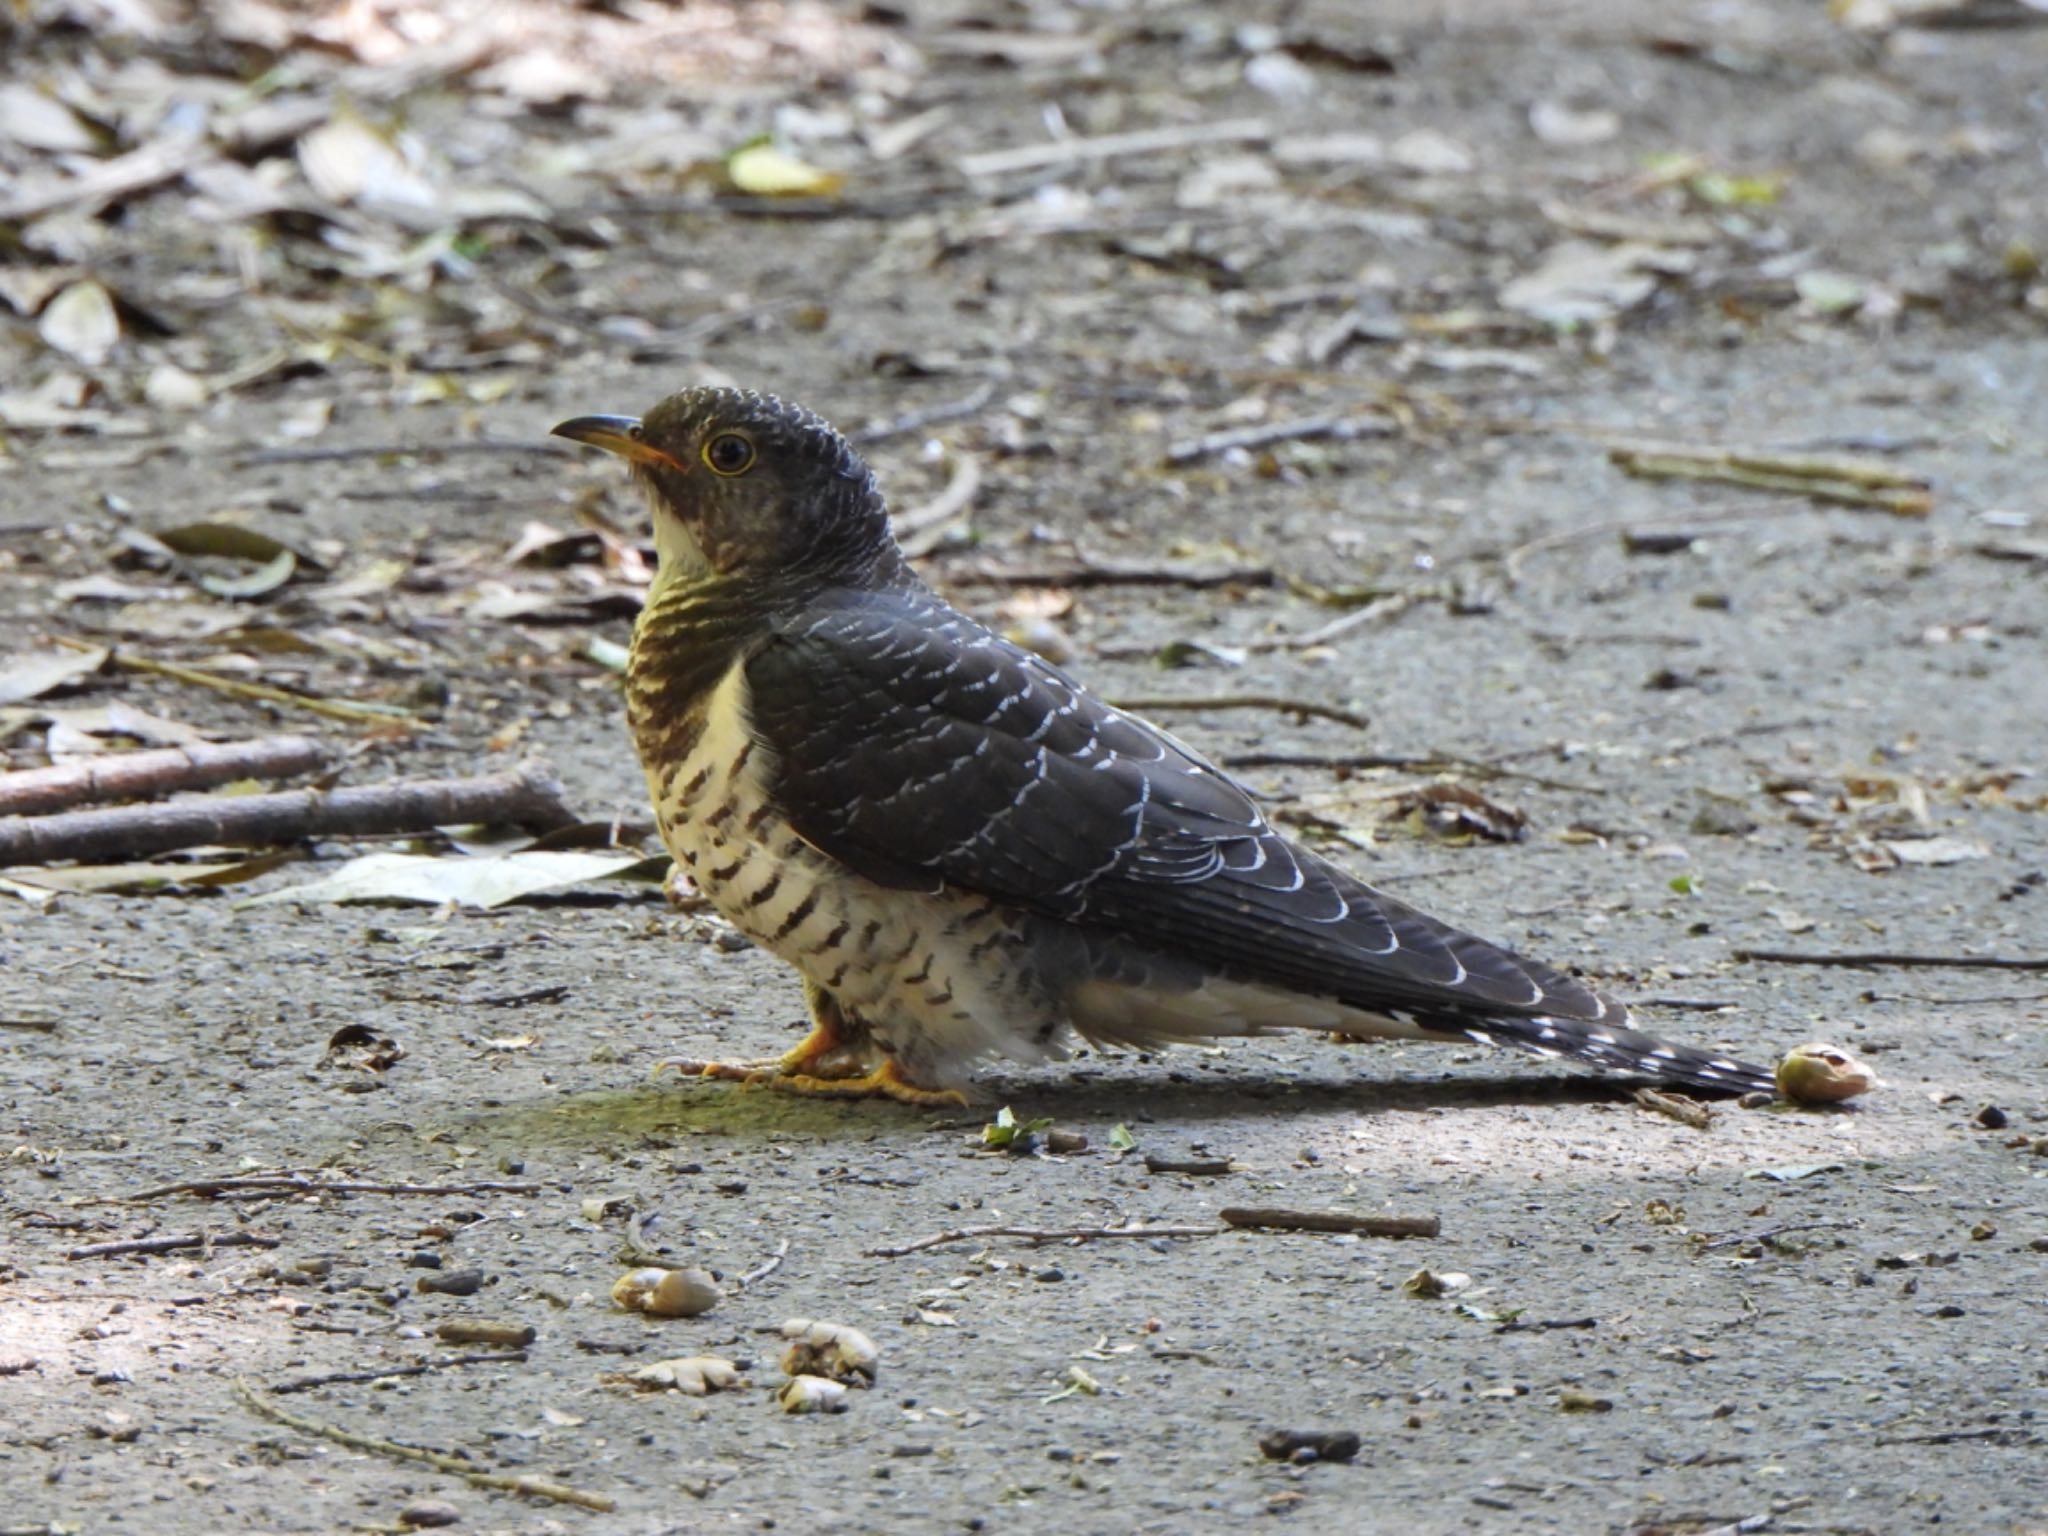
(692, 629)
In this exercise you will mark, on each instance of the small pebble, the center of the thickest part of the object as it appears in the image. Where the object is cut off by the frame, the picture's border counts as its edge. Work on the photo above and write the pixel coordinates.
(426, 1258)
(1992, 1118)
(1571, 1400)
(1320, 1444)
(422, 1514)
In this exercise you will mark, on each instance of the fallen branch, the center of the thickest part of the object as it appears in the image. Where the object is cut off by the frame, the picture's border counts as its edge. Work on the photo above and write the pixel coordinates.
(1672, 1107)
(345, 1378)
(537, 1487)
(173, 1243)
(294, 1182)
(1307, 708)
(123, 176)
(1873, 958)
(530, 798)
(150, 775)
(1039, 1235)
(1329, 1221)
(1301, 429)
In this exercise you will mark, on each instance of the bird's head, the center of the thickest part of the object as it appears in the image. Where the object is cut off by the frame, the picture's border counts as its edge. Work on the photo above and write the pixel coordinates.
(745, 485)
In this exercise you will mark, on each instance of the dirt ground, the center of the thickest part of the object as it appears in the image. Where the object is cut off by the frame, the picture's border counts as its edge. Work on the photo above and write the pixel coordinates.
(1735, 718)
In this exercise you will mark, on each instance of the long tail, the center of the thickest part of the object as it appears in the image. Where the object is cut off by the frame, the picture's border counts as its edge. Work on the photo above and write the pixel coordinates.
(1617, 1049)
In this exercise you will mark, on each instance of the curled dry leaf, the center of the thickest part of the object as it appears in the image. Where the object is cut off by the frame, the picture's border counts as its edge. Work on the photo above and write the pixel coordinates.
(692, 1375)
(829, 1349)
(82, 323)
(1822, 1074)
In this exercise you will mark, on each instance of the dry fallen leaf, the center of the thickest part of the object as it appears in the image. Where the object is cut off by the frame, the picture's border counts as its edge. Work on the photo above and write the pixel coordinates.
(82, 323)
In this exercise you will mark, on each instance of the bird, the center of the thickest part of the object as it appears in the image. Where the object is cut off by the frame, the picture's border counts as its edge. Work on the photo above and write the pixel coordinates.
(964, 852)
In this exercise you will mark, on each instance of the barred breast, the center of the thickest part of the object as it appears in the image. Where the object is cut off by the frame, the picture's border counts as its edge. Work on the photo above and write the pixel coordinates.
(939, 979)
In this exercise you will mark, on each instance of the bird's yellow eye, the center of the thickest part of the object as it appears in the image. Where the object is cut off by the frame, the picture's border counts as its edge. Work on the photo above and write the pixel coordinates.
(729, 454)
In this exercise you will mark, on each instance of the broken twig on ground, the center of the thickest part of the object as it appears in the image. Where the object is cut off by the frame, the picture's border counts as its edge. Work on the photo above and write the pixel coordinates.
(1302, 429)
(1878, 958)
(294, 1181)
(425, 1367)
(1307, 708)
(1329, 1221)
(922, 529)
(530, 798)
(1087, 571)
(538, 1487)
(762, 1271)
(1039, 1235)
(172, 1243)
(1511, 562)
(150, 775)
(1842, 481)
(1112, 146)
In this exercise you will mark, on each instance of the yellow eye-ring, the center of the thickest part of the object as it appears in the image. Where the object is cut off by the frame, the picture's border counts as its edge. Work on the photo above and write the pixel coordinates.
(729, 454)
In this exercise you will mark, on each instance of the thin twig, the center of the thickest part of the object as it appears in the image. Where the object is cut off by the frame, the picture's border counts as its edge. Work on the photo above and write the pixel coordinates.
(530, 797)
(1426, 764)
(1546, 1324)
(763, 1271)
(1301, 429)
(930, 416)
(173, 1243)
(1039, 1235)
(425, 1367)
(540, 447)
(538, 1487)
(1329, 1221)
(137, 171)
(1673, 1107)
(1390, 606)
(922, 529)
(1887, 958)
(1842, 481)
(1111, 146)
(240, 688)
(1307, 708)
(1768, 1233)
(1511, 562)
(1683, 1004)
(147, 775)
(1085, 570)
(295, 1182)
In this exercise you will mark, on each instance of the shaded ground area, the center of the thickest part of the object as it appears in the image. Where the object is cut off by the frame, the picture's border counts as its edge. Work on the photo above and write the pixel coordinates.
(1492, 251)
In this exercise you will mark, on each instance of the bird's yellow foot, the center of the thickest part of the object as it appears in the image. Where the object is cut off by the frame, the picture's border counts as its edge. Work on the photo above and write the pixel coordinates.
(884, 1082)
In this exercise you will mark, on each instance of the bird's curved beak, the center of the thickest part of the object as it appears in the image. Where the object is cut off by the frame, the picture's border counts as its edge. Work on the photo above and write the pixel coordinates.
(614, 434)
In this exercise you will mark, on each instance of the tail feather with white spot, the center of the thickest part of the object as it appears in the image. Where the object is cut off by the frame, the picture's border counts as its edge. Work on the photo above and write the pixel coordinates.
(1616, 1049)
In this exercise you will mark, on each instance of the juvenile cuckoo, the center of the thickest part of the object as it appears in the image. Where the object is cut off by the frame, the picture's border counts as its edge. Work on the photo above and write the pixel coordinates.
(962, 850)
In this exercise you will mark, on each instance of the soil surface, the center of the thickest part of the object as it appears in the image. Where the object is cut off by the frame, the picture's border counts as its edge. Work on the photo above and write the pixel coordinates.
(1735, 718)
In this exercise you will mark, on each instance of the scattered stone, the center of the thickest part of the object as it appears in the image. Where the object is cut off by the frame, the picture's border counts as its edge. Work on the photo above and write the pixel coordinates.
(1991, 1118)
(453, 1282)
(1310, 1444)
(477, 1330)
(423, 1514)
(1571, 1400)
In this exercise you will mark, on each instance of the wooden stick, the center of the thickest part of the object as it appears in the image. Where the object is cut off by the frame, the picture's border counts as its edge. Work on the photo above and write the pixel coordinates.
(1145, 141)
(293, 1181)
(173, 1243)
(538, 1487)
(1305, 707)
(150, 775)
(1884, 958)
(1329, 1221)
(1683, 1110)
(1303, 429)
(531, 798)
(427, 1367)
(1040, 1235)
